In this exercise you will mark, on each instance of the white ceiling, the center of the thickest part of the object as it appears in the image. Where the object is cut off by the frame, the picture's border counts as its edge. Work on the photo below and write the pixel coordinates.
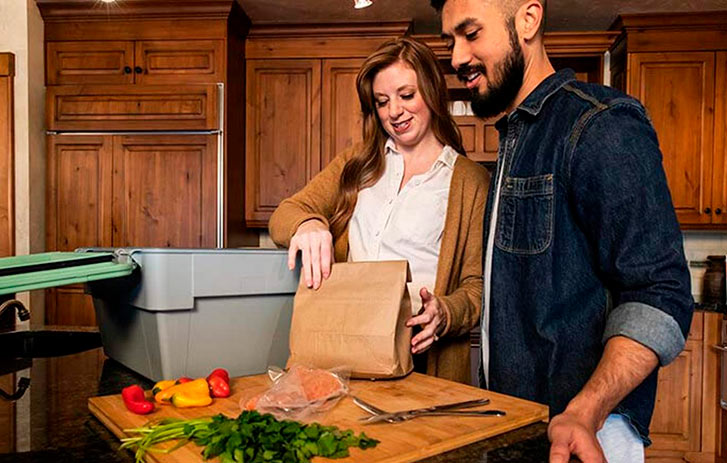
(563, 15)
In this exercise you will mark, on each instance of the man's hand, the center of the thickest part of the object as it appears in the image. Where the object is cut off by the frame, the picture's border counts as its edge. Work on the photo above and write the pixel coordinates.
(430, 317)
(572, 435)
(624, 364)
(315, 243)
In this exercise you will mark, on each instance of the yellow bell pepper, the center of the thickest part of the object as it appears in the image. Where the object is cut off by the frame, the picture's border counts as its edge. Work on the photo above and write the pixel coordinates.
(198, 387)
(188, 399)
(161, 385)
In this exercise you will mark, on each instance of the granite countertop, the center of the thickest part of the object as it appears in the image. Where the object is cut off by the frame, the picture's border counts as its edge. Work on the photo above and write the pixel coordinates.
(51, 421)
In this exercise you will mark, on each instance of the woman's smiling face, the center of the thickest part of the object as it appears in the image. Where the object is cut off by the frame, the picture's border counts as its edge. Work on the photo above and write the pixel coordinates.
(400, 106)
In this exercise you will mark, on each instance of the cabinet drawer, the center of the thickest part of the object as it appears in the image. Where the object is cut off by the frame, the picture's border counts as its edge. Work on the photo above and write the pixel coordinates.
(184, 61)
(119, 107)
(102, 62)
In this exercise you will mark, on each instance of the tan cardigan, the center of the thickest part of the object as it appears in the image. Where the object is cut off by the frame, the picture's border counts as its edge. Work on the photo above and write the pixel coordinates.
(459, 272)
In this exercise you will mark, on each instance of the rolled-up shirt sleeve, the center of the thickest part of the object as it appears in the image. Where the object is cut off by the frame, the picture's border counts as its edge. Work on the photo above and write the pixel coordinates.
(648, 326)
(622, 201)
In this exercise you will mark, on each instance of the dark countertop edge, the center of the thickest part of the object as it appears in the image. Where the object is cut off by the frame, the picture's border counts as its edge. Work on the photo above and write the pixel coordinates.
(711, 307)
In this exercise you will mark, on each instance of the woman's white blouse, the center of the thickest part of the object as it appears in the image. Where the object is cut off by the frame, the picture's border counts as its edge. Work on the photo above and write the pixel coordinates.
(388, 224)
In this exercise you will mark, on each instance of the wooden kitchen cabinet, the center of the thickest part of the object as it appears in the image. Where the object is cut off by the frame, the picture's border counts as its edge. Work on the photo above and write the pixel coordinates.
(126, 190)
(90, 62)
(719, 161)
(341, 117)
(302, 106)
(126, 87)
(686, 425)
(678, 91)
(675, 65)
(157, 206)
(283, 132)
(129, 62)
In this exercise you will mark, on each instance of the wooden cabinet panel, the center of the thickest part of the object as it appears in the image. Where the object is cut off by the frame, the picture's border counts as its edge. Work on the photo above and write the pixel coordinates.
(92, 62)
(479, 137)
(173, 61)
(342, 120)
(69, 305)
(109, 107)
(676, 423)
(79, 192)
(719, 181)
(7, 415)
(282, 132)
(7, 155)
(164, 192)
(78, 209)
(678, 91)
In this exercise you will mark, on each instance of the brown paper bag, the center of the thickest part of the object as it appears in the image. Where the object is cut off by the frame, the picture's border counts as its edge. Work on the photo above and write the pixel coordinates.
(356, 320)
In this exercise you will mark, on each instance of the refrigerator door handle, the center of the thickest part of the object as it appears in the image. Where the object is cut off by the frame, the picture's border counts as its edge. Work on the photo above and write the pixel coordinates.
(221, 168)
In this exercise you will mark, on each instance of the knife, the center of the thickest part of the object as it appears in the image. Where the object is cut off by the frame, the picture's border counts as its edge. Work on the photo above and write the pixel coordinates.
(418, 411)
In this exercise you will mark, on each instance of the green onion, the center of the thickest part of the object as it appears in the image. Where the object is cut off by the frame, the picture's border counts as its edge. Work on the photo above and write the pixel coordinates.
(249, 438)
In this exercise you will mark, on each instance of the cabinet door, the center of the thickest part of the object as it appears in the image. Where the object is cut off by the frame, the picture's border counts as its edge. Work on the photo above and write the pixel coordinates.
(100, 62)
(165, 191)
(283, 144)
(678, 91)
(479, 138)
(78, 214)
(179, 61)
(719, 179)
(676, 423)
(341, 118)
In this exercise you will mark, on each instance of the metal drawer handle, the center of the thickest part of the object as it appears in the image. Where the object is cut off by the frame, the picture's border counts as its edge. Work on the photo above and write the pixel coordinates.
(722, 348)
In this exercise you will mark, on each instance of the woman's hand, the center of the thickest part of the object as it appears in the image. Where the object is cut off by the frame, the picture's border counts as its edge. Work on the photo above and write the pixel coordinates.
(431, 318)
(314, 241)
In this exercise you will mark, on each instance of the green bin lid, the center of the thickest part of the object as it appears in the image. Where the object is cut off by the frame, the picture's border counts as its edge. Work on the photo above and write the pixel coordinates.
(50, 269)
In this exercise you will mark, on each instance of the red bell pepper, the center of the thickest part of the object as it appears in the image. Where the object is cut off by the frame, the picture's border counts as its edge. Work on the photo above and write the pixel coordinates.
(183, 379)
(218, 386)
(135, 400)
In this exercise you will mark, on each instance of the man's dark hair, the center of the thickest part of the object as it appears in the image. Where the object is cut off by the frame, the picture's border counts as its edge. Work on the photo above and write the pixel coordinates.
(439, 4)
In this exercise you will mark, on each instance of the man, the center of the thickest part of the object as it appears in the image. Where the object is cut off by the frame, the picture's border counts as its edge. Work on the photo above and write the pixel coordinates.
(587, 290)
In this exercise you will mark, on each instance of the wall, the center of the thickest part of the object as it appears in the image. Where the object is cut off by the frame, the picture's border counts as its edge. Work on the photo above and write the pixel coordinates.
(697, 246)
(21, 32)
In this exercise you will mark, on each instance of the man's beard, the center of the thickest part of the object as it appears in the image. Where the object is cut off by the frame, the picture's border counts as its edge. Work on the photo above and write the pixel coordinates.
(504, 83)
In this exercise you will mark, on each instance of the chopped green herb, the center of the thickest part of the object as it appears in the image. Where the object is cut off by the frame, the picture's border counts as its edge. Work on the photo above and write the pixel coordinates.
(249, 438)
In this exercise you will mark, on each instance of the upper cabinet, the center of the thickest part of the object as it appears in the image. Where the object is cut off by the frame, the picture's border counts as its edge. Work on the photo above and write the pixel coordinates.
(675, 65)
(302, 107)
(140, 62)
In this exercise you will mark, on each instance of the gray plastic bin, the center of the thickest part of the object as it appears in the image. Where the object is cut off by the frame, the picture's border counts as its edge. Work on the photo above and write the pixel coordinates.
(189, 311)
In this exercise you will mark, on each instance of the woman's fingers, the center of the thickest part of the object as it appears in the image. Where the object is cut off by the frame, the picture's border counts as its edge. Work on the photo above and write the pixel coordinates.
(292, 253)
(315, 258)
(326, 254)
(315, 243)
(306, 258)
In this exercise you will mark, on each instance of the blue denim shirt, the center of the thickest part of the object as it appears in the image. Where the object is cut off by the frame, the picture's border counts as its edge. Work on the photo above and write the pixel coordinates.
(587, 246)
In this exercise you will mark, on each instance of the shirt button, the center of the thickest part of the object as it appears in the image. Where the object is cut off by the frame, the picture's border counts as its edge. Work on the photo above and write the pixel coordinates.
(378, 233)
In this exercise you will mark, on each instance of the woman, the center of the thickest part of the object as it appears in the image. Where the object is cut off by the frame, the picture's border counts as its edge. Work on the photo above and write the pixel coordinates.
(406, 192)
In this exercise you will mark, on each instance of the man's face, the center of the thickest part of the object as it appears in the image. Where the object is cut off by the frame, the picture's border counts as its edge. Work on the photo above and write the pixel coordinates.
(485, 53)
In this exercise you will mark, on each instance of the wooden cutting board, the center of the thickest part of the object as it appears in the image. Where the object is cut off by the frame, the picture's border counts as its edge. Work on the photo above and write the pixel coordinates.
(400, 442)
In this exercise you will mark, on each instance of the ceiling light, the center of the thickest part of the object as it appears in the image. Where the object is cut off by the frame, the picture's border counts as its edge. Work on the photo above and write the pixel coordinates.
(358, 4)
(108, 1)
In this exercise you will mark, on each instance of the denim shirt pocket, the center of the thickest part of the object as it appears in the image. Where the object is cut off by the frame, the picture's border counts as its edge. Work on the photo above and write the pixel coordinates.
(525, 223)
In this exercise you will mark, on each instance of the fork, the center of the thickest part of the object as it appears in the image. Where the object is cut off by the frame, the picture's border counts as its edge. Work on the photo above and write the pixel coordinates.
(375, 411)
